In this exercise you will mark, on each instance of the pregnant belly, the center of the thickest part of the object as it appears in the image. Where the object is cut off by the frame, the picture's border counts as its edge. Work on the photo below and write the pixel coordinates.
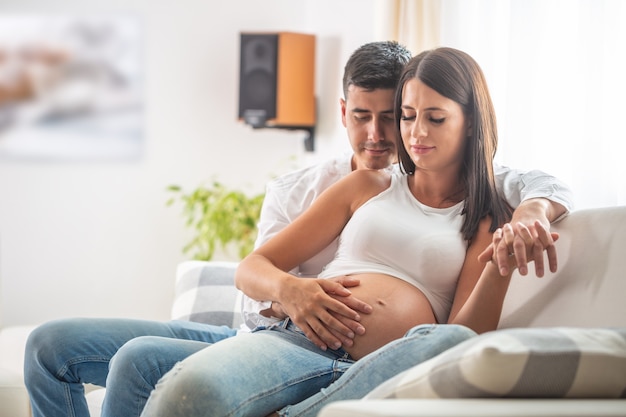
(397, 307)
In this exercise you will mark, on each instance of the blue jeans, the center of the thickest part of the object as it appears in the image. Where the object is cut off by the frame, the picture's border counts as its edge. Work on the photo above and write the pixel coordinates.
(257, 374)
(126, 356)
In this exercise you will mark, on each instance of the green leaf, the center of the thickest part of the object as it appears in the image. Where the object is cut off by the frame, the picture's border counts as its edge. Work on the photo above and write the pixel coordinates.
(219, 217)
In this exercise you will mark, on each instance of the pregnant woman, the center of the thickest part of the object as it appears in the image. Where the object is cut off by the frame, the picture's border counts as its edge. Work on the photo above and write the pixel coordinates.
(410, 240)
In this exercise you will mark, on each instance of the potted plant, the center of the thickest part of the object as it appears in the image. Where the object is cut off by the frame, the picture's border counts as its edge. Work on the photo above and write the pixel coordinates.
(220, 217)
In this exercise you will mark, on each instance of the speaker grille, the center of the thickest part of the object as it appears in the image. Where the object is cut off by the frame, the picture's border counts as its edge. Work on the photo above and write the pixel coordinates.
(258, 78)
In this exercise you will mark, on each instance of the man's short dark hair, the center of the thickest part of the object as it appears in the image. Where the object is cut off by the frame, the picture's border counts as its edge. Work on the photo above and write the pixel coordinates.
(375, 65)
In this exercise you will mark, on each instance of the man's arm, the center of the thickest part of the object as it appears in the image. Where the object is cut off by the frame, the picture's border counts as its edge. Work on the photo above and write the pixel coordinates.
(518, 186)
(536, 196)
(271, 221)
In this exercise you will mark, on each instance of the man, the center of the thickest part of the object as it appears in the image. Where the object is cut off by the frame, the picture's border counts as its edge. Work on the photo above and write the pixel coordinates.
(130, 356)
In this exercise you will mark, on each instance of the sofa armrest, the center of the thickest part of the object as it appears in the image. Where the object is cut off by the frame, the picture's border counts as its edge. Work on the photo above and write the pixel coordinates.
(476, 407)
(12, 345)
(205, 292)
(14, 400)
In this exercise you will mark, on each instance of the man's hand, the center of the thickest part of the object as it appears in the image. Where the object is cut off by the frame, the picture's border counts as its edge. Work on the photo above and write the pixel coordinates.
(523, 236)
(325, 310)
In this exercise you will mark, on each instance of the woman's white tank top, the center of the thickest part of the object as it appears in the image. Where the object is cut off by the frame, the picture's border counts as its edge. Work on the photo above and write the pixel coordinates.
(394, 234)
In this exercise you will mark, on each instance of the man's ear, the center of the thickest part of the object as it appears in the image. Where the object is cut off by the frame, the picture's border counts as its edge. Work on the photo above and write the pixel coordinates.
(343, 104)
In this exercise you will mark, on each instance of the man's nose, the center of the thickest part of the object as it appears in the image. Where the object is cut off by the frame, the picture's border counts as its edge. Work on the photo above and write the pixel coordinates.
(377, 133)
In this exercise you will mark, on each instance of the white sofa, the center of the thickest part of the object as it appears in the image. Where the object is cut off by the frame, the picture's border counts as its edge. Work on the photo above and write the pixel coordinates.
(560, 347)
(586, 296)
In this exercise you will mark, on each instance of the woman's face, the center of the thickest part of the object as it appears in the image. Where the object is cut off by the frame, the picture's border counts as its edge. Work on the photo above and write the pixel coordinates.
(433, 128)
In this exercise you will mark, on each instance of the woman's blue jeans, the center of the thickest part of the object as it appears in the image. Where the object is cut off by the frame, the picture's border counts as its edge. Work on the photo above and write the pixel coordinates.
(259, 373)
(126, 356)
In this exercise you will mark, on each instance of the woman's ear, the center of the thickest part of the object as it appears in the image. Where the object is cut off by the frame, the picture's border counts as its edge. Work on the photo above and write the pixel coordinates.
(469, 130)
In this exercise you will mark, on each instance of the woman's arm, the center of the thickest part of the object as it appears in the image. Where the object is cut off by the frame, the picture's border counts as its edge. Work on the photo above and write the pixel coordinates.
(308, 302)
(481, 289)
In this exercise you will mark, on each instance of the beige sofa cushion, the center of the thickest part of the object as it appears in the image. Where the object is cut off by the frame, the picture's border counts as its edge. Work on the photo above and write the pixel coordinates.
(205, 292)
(520, 363)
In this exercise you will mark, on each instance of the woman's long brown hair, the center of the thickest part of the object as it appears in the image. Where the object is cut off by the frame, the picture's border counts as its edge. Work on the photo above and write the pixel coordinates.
(456, 75)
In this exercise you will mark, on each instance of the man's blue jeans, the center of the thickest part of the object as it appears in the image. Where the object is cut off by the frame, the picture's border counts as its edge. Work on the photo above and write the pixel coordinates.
(257, 374)
(126, 356)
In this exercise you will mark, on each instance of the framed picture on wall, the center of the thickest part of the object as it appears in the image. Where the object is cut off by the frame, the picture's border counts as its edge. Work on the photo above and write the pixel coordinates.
(71, 87)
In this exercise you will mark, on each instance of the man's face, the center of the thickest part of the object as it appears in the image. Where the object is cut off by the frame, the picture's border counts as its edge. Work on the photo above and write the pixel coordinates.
(368, 118)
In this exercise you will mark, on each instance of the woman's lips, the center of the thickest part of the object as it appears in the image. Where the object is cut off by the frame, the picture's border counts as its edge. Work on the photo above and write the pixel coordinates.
(421, 149)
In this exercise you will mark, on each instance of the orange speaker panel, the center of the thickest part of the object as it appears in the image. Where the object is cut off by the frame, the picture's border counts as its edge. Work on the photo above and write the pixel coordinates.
(295, 102)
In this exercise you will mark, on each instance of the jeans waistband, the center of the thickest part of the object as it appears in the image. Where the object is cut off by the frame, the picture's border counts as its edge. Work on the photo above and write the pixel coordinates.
(289, 325)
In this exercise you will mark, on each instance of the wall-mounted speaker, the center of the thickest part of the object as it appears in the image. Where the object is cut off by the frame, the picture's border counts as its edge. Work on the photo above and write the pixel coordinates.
(277, 80)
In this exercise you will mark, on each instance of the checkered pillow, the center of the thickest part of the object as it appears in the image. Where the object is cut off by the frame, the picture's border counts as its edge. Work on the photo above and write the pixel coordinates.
(556, 362)
(205, 292)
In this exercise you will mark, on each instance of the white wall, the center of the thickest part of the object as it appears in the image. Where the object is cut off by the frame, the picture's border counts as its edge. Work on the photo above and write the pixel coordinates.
(96, 239)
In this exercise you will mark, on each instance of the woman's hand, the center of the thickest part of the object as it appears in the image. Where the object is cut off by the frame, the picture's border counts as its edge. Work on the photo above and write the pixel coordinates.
(516, 245)
(324, 309)
(516, 241)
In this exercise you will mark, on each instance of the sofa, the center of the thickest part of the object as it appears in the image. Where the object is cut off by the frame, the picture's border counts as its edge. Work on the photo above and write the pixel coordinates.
(560, 347)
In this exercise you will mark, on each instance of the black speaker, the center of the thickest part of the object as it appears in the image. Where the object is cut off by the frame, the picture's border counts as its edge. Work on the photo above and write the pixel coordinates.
(257, 78)
(276, 79)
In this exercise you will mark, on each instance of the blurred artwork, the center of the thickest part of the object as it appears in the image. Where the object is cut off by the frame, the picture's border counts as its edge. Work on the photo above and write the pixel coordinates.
(70, 87)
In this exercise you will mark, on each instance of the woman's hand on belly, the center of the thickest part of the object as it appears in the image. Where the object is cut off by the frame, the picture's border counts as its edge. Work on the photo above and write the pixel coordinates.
(328, 313)
(397, 307)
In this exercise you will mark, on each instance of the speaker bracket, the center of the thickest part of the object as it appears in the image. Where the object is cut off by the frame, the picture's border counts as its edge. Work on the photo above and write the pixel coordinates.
(255, 118)
(309, 140)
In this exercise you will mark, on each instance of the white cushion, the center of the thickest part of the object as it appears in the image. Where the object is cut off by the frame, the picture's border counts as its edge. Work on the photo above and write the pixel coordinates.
(520, 363)
(94, 398)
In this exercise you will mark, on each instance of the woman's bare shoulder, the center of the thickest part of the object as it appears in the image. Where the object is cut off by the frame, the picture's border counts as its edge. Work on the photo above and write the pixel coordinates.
(356, 188)
(369, 178)
(361, 185)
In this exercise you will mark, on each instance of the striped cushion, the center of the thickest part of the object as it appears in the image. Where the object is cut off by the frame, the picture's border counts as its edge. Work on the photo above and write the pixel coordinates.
(205, 292)
(560, 362)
